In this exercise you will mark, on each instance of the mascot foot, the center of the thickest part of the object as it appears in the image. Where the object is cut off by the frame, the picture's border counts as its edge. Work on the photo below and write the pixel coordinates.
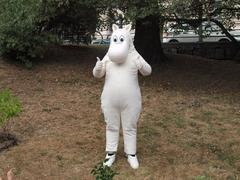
(133, 161)
(109, 160)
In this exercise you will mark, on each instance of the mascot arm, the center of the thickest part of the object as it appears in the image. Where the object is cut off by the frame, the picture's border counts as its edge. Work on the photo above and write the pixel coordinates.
(100, 68)
(144, 68)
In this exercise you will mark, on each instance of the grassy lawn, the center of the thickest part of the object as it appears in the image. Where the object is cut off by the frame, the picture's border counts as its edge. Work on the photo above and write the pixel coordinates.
(189, 126)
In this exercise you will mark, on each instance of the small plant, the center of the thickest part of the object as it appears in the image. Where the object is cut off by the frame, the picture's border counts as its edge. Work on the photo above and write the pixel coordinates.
(102, 172)
(9, 106)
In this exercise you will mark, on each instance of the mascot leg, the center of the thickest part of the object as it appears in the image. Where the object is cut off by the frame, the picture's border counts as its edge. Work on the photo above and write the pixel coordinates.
(129, 119)
(112, 118)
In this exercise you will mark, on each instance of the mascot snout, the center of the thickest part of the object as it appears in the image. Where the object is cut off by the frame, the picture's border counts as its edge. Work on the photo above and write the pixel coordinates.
(118, 53)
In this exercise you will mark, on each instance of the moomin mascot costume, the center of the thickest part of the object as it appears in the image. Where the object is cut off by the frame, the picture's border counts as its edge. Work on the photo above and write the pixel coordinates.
(121, 96)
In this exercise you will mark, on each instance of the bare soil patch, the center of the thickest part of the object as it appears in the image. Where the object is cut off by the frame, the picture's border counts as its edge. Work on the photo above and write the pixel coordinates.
(189, 127)
(7, 140)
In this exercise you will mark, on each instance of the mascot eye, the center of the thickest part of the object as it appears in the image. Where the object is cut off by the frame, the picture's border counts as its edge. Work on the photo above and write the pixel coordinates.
(115, 39)
(121, 38)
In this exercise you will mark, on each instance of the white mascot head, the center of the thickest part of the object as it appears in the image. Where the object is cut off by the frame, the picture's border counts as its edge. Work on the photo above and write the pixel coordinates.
(120, 44)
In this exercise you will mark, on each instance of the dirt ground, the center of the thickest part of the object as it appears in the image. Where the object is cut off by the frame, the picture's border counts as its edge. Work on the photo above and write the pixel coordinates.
(189, 126)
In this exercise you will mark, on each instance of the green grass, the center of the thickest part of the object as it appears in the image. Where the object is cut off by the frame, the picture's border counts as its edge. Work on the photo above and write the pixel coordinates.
(207, 115)
(224, 154)
(202, 177)
(9, 106)
(175, 119)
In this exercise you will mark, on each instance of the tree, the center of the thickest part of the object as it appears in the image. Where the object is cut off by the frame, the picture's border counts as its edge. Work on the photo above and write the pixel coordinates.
(72, 17)
(146, 16)
(195, 12)
(147, 39)
(149, 15)
(28, 26)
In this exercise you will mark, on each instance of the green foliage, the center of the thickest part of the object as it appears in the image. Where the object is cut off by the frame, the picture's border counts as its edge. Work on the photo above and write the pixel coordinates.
(133, 9)
(9, 106)
(70, 15)
(102, 172)
(27, 26)
(224, 11)
(142, 9)
(20, 35)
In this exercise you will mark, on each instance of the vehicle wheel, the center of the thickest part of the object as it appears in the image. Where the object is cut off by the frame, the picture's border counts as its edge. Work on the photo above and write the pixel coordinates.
(224, 40)
(173, 41)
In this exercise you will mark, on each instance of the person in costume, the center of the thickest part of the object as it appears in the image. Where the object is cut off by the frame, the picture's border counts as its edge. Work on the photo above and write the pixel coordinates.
(121, 96)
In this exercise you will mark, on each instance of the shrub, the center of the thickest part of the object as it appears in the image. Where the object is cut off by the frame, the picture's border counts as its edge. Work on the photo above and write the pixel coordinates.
(102, 172)
(20, 36)
(9, 106)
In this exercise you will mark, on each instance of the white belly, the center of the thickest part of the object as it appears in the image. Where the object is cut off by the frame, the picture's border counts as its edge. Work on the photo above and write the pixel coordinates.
(121, 85)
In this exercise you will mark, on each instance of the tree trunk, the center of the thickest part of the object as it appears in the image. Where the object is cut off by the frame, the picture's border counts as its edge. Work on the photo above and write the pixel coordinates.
(200, 16)
(147, 39)
(200, 33)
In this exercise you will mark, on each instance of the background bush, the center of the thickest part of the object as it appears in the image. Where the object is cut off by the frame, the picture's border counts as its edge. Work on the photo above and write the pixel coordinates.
(9, 106)
(20, 34)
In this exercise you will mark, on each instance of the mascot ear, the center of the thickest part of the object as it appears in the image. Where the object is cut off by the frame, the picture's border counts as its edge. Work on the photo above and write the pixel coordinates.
(128, 27)
(115, 27)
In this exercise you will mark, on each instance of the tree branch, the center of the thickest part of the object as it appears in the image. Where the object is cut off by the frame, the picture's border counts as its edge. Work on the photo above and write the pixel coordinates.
(220, 9)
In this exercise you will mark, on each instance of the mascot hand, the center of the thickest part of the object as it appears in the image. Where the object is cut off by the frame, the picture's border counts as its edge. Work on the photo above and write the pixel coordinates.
(138, 63)
(99, 64)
